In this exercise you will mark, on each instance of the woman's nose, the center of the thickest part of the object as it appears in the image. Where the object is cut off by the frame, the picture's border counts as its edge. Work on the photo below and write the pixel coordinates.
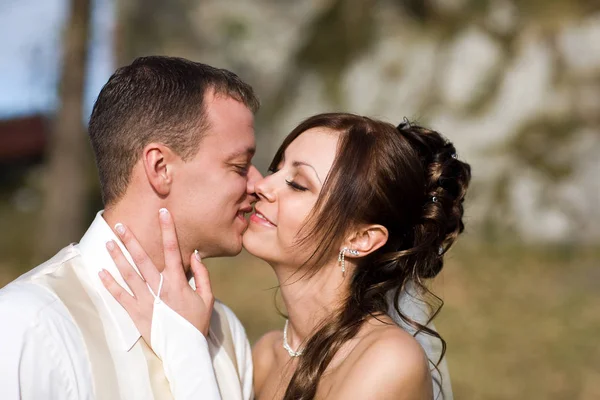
(264, 189)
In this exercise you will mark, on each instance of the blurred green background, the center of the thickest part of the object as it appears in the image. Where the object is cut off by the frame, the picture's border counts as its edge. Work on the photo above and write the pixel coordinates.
(515, 84)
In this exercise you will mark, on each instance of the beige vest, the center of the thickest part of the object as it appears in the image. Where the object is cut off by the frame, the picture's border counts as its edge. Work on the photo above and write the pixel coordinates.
(65, 283)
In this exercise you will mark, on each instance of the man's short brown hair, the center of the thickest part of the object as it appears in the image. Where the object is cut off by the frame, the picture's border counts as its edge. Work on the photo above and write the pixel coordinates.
(155, 99)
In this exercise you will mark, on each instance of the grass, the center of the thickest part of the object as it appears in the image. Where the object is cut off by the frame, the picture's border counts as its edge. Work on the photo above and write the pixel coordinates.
(520, 322)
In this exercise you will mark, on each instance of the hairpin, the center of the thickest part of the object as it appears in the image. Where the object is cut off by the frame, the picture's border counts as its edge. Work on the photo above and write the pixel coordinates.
(405, 124)
(454, 156)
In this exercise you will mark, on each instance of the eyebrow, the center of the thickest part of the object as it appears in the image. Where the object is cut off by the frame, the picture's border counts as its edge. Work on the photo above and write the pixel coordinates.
(249, 151)
(297, 164)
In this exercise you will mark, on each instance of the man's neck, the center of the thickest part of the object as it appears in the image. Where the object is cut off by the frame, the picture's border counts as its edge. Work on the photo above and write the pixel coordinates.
(142, 221)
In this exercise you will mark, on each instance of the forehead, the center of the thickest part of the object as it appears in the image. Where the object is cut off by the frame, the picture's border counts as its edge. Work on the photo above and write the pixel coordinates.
(317, 147)
(231, 126)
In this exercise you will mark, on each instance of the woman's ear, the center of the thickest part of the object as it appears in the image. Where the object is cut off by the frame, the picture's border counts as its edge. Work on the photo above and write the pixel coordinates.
(158, 161)
(367, 238)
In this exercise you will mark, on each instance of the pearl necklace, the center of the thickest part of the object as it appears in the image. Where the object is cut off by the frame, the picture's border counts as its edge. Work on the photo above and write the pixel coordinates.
(286, 345)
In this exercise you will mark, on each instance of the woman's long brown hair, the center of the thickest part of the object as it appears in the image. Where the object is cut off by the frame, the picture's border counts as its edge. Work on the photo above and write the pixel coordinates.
(406, 178)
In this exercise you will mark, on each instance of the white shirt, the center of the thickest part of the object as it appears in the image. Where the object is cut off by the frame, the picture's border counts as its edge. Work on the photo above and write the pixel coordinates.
(42, 351)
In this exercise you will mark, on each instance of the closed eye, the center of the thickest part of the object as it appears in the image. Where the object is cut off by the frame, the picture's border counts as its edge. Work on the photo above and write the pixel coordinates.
(242, 169)
(295, 186)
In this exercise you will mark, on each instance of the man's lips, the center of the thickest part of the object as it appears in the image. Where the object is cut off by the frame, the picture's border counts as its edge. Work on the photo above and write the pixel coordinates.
(246, 210)
(243, 211)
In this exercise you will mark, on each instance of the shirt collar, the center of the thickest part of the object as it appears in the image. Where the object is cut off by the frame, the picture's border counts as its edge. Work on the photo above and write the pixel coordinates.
(96, 257)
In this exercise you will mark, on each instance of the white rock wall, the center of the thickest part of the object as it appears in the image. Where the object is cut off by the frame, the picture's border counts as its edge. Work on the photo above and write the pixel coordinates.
(469, 86)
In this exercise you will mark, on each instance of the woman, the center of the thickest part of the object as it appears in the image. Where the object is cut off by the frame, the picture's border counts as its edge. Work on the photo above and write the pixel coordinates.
(355, 213)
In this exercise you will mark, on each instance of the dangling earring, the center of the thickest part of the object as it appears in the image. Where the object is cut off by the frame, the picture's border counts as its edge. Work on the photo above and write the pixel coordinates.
(341, 257)
(341, 261)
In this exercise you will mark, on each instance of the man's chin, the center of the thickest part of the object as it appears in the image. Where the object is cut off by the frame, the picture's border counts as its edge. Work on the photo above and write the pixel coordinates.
(233, 253)
(232, 250)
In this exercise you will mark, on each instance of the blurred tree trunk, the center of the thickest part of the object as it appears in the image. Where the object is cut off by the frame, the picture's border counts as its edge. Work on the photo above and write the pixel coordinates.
(149, 27)
(65, 181)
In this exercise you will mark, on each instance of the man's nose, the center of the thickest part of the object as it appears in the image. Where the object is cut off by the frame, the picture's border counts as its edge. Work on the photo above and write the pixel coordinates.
(254, 176)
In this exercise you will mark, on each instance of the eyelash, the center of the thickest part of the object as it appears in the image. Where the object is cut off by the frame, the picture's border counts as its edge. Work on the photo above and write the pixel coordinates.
(295, 186)
(291, 184)
(242, 169)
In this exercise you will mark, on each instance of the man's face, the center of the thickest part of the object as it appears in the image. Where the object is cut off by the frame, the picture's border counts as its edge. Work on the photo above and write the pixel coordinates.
(212, 191)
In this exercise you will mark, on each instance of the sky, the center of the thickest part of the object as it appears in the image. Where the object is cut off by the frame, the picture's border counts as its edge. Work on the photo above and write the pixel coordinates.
(30, 54)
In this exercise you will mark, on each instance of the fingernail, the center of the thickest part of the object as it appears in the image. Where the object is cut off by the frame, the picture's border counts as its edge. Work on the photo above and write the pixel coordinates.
(102, 274)
(163, 212)
(120, 228)
(197, 255)
(110, 245)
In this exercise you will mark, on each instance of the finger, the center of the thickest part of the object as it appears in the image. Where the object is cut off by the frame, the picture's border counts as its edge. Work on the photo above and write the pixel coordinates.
(125, 299)
(129, 274)
(202, 280)
(139, 256)
(173, 263)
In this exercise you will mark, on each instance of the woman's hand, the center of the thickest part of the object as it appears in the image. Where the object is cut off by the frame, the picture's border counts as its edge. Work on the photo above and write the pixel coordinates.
(193, 305)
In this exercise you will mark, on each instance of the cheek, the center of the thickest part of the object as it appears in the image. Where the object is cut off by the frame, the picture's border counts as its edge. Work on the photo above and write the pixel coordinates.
(240, 186)
(188, 191)
(199, 195)
(223, 190)
(293, 215)
(231, 188)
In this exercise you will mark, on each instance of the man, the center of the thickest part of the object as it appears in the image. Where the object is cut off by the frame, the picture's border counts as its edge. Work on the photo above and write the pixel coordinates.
(167, 133)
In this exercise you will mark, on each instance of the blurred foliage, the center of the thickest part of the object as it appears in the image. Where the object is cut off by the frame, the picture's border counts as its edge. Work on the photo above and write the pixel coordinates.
(341, 32)
(533, 146)
(145, 25)
(336, 37)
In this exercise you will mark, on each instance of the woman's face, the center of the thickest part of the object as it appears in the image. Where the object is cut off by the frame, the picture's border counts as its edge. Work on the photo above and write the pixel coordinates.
(287, 196)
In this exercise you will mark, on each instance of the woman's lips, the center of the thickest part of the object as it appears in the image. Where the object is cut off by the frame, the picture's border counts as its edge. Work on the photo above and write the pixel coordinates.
(260, 219)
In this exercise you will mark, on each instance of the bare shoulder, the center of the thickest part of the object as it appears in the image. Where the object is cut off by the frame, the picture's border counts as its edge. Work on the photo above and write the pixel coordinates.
(391, 364)
(263, 356)
(264, 350)
(397, 347)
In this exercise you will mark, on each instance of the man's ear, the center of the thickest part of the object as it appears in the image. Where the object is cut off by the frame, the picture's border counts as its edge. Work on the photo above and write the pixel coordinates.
(158, 161)
(367, 238)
